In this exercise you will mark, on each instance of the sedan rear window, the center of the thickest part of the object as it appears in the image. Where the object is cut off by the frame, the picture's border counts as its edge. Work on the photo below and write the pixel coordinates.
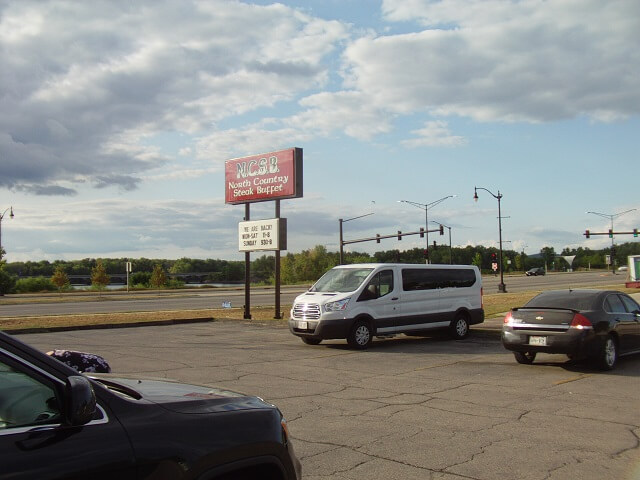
(573, 300)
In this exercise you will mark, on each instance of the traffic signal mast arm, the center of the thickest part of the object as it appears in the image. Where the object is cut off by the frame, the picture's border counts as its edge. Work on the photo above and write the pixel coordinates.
(611, 233)
(398, 235)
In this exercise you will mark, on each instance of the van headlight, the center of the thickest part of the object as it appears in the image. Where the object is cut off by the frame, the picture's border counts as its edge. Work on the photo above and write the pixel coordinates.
(337, 305)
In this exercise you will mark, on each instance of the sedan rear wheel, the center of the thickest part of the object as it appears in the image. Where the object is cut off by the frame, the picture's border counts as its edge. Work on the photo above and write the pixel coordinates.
(525, 358)
(609, 354)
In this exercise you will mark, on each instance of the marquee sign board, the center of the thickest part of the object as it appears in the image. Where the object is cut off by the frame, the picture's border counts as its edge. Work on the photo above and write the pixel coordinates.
(268, 176)
(262, 235)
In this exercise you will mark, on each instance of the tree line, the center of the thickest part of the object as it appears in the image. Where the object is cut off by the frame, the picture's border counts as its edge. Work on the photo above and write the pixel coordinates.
(304, 267)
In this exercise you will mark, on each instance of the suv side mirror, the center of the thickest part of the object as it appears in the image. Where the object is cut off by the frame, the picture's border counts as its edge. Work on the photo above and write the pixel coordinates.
(80, 400)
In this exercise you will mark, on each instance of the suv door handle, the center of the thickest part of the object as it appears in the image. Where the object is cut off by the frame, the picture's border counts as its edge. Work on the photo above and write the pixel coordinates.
(395, 298)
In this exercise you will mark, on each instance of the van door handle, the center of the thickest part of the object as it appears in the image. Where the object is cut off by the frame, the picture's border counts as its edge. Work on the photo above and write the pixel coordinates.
(395, 298)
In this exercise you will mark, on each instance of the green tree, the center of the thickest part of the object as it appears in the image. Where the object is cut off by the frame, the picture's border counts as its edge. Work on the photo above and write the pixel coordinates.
(477, 260)
(263, 269)
(99, 277)
(158, 277)
(549, 255)
(60, 279)
(7, 280)
(182, 265)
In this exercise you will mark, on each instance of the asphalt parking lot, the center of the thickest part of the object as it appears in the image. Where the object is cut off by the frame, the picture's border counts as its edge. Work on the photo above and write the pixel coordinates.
(408, 408)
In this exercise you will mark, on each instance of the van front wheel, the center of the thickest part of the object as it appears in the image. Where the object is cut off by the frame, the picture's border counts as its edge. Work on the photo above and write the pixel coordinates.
(459, 327)
(360, 336)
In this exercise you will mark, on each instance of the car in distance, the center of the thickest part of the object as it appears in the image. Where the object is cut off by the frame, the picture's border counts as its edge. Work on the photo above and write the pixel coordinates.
(534, 272)
(56, 423)
(594, 324)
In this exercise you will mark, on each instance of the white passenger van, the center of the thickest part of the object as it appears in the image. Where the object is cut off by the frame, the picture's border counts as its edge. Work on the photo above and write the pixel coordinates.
(360, 301)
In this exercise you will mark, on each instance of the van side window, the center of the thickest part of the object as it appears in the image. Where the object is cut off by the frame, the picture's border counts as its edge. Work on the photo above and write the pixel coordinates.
(459, 278)
(379, 286)
(432, 278)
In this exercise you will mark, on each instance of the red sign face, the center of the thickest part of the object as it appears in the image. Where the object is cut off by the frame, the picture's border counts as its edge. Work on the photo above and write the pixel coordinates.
(269, 176)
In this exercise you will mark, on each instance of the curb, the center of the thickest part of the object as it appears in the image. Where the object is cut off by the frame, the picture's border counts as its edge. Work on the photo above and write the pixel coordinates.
(102, 326)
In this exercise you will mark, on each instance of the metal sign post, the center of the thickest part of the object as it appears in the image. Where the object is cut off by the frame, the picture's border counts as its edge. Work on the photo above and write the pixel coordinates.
(128, 269)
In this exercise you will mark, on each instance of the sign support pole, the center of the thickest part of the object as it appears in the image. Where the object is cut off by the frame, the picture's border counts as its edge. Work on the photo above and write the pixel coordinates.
(247, 272)
(278, 314)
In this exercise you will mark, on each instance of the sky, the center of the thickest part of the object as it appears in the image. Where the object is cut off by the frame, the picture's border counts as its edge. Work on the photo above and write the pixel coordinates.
(117, 118)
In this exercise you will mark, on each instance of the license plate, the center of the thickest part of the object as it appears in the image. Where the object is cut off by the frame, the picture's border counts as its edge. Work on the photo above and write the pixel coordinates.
(540, 341)
(303, 325)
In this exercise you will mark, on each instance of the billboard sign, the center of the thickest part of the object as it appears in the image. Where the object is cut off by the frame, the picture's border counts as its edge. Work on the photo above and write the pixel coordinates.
(268, 176)
(262, 235)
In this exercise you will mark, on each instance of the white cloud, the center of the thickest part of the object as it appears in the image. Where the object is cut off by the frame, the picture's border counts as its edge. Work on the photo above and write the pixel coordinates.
(88, 83)
(435, 133)
(532, 60)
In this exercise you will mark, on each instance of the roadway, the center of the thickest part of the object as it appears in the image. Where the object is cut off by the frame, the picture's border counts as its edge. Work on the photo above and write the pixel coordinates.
(203, 298)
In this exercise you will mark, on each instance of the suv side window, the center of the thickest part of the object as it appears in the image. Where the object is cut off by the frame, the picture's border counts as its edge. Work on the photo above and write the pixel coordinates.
(24, 400)
(379, 286)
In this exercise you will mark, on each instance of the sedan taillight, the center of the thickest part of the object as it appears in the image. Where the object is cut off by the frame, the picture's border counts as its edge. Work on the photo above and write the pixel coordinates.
(580, 322)
(507, 319)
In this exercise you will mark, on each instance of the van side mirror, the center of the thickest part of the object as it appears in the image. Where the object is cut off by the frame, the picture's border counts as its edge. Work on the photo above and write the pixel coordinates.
(80, 400)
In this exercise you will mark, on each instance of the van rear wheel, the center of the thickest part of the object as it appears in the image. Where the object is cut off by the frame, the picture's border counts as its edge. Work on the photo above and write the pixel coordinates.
(459, 328)
(360, 336)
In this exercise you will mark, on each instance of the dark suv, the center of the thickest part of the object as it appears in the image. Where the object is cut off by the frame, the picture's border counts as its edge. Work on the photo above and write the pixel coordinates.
(58, 424)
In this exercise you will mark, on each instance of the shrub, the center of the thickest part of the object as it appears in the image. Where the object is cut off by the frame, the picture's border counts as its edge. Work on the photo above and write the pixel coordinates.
(7, 281)
(34, 285)
(140, 279)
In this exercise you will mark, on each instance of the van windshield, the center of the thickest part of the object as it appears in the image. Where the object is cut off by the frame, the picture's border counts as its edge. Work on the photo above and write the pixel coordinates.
(341, 280)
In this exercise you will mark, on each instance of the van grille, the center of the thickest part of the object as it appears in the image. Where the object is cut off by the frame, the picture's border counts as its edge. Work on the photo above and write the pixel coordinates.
(306, 311)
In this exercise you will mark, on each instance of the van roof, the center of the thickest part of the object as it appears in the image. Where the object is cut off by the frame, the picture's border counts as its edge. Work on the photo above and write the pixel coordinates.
(412, 265)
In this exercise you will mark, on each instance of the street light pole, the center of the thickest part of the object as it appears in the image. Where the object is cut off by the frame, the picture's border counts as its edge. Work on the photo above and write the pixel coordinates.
(611, 217)
(11, 215)
(340, 222)
(501, 286)
(425, 207)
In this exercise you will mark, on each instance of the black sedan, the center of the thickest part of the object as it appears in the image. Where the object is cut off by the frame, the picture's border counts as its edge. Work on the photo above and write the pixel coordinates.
(594, 324)
(58, 424)
(535, 271)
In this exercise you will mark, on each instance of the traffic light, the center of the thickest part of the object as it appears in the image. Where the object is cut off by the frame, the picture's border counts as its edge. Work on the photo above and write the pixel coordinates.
(635, 232)
(586, 233)
(399, 235)
(493, 257)
(441, 229)
(421, 232)
(610, 233)
(377, 238)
